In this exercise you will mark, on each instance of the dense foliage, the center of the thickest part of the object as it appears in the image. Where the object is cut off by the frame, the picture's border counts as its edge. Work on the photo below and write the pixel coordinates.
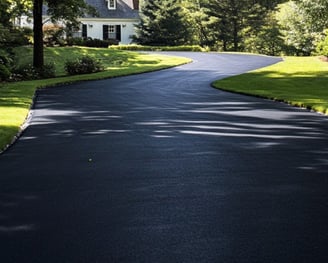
(64, 10)
(90, 42)
(162, 23)
(269, 27)
(275, 27)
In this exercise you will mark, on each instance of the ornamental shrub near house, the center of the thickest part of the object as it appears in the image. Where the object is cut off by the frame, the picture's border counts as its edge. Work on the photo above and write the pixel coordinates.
(91, 42)
(53, 35)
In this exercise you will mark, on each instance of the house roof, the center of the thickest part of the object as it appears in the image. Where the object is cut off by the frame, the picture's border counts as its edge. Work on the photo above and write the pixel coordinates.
(124, 9)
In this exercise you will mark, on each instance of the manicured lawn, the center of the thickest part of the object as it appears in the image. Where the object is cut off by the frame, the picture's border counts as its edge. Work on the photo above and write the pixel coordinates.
(300, 81)
(16, 98)
(113, 60)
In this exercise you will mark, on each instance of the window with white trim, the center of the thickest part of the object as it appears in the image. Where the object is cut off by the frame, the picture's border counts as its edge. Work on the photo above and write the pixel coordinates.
(112, 32)
(111, 4)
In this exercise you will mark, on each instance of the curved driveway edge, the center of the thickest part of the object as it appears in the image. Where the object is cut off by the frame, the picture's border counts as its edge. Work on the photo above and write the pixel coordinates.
(160, 167)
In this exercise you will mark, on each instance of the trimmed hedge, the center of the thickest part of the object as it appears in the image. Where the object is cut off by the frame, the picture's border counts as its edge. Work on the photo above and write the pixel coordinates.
(133, 47)
(91, 42)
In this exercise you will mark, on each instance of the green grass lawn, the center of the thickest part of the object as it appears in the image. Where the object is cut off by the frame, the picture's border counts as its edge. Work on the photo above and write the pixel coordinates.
(300, 81)
(16, 98)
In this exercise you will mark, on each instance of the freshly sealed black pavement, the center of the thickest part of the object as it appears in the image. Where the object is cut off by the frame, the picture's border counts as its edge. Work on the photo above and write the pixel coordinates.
(160, 167)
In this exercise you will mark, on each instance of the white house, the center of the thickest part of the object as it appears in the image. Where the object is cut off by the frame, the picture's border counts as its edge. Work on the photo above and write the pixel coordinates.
(116, 20)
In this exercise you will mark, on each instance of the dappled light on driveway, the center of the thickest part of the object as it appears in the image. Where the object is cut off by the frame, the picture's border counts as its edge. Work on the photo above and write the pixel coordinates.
(160, 167)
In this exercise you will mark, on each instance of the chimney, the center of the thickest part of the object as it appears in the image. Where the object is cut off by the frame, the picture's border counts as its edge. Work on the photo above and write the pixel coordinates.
(136, 4)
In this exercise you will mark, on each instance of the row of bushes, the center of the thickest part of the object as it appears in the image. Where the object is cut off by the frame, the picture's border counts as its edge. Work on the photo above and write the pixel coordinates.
(90, 42)
(133, 47)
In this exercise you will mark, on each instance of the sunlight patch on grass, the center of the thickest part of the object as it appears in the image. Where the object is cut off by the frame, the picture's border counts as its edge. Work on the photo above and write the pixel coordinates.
(300, 81)
(16, 98)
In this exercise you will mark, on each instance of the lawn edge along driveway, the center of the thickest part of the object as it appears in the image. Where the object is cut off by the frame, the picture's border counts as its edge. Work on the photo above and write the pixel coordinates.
(298, 81)
(17, 99)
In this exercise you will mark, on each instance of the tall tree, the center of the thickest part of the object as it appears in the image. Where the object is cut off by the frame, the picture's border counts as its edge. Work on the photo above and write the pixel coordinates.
(162, 23)
(65, 10)
(5, 13)
(38, 54)
(9, 11)
(270, 4)
(268, 39)
(316, 12)
(231, 17)
(296, 28)
(198, 21)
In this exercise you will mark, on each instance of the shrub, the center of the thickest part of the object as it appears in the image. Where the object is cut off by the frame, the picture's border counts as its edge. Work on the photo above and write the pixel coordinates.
(83, 65)
(89, 42)
(25, 72)
(48, 71)
(4, 73)
(100, 43)
(6, 57)
(14, 37)
(6, 64)
(75, 41)
(322, 47)
(53, 35)
(29, 72)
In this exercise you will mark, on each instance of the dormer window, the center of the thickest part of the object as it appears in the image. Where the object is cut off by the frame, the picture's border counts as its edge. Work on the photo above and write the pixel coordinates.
(111, 4)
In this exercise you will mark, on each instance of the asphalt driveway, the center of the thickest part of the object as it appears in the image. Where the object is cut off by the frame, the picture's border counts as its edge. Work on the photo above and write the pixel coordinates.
(161, 167)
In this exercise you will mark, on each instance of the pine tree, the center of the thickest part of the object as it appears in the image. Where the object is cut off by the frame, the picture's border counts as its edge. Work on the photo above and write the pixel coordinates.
(198, 21)
(162, 23)
(147, 28)
(230, 19)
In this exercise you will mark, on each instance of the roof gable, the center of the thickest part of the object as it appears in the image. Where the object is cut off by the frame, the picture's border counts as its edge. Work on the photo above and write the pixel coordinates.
(124, 8)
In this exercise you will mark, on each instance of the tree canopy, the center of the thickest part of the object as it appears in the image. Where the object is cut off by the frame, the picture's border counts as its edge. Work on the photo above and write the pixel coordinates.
(66, 10)
(162, 23)
(205, 22)
(293, 27)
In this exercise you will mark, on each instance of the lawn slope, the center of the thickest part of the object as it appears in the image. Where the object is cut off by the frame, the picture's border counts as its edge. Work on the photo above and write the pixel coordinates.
(300, 81)
(16, 98)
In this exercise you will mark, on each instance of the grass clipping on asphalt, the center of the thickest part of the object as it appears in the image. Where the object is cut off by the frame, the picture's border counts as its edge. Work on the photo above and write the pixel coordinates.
(16, 98)
(299, 81)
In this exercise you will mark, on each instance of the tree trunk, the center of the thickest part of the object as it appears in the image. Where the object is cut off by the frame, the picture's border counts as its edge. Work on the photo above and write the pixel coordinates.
(225, 46)
(235, 36)
(38, 60)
